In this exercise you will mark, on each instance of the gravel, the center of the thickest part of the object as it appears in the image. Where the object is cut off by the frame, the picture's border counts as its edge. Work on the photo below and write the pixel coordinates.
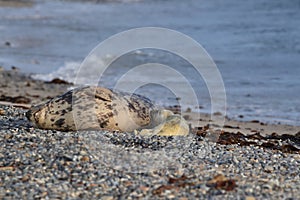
(45, 164)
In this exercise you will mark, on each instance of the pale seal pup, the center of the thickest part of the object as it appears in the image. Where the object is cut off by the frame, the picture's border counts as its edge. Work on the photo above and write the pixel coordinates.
(98, 108)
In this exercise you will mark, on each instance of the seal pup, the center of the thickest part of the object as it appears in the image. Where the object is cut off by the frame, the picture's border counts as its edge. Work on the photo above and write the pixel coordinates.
(98, 108)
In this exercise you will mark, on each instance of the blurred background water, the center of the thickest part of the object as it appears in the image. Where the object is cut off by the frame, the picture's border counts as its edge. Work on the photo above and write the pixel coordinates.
(255, 44)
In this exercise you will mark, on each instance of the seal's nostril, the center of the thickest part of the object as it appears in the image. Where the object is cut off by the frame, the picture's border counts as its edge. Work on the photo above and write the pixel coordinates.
(28, 114)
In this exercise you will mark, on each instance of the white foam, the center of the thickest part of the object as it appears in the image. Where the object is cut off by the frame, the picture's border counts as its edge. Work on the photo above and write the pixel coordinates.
(66, 72)
(70, 71)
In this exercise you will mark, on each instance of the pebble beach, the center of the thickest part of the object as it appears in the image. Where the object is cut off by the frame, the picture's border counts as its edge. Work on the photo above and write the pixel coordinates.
(254, 156)
(47, 164)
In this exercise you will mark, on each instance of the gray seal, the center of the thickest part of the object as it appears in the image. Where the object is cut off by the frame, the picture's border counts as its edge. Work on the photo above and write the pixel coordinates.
(98, 108)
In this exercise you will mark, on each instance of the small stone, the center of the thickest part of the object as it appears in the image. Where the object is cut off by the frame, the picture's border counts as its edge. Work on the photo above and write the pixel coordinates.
(188, 110)
(186, 117)
(8, 136)
(171, 196)
(25, 178)
(85, 158)
(269, 169)
(6, 168)
(14, 68)
(183, 198)
(2, 112)
(7, 43)
(107, 198)
(144, 188)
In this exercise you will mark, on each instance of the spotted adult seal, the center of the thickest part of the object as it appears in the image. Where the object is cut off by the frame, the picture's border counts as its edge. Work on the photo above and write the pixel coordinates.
(98, 108)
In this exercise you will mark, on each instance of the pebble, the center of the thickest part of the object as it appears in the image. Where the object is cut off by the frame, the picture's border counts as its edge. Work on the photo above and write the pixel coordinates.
(47, 164)
(250, 198)
(2, 112)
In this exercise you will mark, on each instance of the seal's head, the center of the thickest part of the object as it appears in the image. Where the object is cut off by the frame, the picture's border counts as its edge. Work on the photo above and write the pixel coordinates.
(35, 115)
(165, 123)
(159, 116)
(52, 115)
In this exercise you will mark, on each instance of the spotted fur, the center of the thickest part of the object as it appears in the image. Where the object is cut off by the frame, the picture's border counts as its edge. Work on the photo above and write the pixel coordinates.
(97, 108)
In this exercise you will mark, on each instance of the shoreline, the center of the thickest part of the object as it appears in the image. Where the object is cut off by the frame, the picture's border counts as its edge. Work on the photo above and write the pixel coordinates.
(19, 88)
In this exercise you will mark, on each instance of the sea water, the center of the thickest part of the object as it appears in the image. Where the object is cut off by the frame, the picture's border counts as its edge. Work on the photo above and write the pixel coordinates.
(255, 45)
